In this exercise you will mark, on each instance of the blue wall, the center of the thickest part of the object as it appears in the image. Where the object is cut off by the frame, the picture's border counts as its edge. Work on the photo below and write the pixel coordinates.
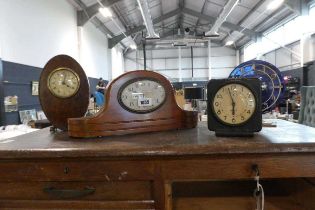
(16, 79)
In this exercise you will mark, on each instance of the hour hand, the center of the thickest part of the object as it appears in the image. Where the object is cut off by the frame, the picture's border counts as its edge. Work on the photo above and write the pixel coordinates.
(233, 103)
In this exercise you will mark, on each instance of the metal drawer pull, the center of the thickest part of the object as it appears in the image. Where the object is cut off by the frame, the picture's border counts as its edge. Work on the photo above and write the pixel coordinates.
(69, 193)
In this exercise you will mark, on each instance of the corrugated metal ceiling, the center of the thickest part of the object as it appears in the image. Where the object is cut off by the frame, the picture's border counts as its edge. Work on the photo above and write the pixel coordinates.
(128, 16)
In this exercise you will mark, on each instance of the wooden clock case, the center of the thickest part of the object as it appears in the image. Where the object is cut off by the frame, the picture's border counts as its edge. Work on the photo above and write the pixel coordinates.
(113, 119)
(56, 109)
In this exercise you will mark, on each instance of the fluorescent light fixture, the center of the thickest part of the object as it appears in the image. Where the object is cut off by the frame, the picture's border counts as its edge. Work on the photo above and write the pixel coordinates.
(105, 12)
(133, 46)
(228, 43)
(274, 4)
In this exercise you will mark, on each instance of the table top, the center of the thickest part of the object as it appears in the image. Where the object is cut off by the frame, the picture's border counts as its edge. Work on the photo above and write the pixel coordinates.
(287, 137)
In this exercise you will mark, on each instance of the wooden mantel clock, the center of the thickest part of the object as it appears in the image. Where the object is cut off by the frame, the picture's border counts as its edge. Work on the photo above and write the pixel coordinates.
(63, 90)
(136, 102)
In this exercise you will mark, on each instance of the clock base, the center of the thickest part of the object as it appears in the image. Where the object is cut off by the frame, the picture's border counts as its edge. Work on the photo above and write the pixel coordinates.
(233, 134)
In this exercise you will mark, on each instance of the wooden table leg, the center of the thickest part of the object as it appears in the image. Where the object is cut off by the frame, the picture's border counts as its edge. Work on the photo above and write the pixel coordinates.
(162, 195)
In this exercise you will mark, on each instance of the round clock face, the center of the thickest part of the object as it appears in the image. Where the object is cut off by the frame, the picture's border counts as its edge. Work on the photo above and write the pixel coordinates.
(234, 104)
(142, 96)
(63, 82)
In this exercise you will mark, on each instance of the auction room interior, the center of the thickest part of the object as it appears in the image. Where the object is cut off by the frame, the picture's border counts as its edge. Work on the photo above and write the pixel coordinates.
(157, 104)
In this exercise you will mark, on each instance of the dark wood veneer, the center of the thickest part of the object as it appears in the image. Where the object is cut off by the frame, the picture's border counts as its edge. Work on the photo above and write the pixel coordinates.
(113, 119)
(58, 110)
(139, 171)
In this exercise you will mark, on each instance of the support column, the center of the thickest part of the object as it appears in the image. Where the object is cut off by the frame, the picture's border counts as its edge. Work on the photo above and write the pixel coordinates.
(259, 42)
(2, 113)
(237, 60)
(306, 39)
(209, 60)
(109, 65)
(180, 64)
(192, 62)
(144, 57)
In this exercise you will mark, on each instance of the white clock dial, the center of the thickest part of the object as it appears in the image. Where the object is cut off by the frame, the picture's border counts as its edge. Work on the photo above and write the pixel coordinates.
(142, 96)
(63, 82)
(234, 104)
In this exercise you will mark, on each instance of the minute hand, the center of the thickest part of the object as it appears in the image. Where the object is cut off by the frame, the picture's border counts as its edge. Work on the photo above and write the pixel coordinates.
(233, 103)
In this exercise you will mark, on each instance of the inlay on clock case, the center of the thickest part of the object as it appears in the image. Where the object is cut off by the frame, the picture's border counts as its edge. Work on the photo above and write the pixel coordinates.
(114, 119)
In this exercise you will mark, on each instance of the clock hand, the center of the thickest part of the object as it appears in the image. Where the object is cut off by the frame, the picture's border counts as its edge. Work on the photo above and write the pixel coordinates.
(233, 103)
(64, 79)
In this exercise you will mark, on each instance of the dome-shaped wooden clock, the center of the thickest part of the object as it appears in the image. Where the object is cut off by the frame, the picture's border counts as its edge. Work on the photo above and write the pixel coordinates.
(136, 102)
(63, 90)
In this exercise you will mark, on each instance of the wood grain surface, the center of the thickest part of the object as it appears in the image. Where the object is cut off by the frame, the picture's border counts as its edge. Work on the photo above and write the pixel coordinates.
(113, 119)
(287, 137)
(139, 171)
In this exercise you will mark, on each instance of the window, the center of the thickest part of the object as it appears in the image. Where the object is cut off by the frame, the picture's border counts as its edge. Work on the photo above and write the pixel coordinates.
(283, 35)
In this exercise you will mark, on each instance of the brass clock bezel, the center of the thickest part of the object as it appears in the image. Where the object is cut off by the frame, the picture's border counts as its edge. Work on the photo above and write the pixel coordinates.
(60, 69)
(133, 81)
(226, 84)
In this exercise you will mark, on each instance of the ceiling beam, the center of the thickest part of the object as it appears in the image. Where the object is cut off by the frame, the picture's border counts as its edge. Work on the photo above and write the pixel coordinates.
(98, 24)
(113, 41)
(296, 6)
(250, 33)
(227, 9)
(83, 16)
(268, 18)
(251, 11)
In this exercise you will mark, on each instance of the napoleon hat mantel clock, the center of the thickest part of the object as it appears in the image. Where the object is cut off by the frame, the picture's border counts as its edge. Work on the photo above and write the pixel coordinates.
(63, 90)
(136, 102)
(234, 107)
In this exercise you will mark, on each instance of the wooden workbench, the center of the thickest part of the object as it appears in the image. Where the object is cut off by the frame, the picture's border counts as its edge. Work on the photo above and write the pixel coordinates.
(43, 170)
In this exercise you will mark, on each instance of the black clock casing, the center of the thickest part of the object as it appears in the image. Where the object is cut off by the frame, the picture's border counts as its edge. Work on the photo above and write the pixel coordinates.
(253, 124)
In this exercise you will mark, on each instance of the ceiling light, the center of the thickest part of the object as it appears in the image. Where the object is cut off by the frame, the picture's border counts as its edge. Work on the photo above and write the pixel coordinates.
(228, 43)
(133, 46)
(274, 4)
(105, 12)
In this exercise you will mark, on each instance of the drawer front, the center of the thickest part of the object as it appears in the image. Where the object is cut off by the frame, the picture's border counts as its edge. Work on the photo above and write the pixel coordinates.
(96, 191)
(76, 171)
(239, 167)
(66, 205)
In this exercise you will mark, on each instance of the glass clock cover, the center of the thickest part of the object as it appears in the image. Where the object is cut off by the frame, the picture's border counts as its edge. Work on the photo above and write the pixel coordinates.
(142, 96)
(63, 82)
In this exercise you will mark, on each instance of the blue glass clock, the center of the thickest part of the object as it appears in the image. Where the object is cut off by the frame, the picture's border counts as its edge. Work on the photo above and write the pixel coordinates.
(272, 82)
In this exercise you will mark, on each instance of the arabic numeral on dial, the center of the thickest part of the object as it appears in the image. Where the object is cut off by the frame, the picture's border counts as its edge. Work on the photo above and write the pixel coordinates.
(218, 112)
(219, 96)
(233, 120)
(225, 117)
(242, 118)
(216, 103)
(132, 104)
(248, 111)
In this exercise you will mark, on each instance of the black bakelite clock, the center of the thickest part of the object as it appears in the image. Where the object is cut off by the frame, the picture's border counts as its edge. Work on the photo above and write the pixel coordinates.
(234, 106)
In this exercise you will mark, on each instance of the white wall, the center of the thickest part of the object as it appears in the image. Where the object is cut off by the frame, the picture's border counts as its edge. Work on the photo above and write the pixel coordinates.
(33, 31)
(36, 30)
(94, 54)
(117, 62)
(165, 61)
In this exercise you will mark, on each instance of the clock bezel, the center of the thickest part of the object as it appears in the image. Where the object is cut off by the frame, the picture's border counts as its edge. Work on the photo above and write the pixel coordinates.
(229, 82)
(136, 80)
(60, 69)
